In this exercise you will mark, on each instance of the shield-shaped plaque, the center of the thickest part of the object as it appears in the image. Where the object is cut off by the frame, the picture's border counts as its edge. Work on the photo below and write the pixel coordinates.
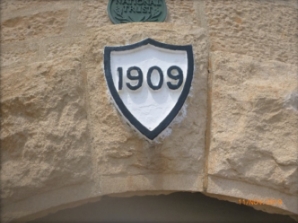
(149, 82)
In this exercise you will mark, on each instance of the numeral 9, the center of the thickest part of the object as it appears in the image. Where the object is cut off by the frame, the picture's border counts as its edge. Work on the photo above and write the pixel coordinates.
(138, 77)
(178, 77)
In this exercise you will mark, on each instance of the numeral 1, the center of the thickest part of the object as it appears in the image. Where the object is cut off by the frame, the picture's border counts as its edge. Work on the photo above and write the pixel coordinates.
(120, 83)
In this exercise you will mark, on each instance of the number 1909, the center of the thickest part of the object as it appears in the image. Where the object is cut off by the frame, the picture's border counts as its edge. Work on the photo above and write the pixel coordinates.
(134, 73)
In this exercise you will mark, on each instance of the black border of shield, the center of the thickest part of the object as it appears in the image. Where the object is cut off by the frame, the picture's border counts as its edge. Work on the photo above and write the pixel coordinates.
(133, 121)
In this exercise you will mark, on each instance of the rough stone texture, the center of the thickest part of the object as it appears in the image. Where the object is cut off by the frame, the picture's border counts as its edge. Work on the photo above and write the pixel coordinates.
(15, 6)
(263, 29)
(44, 131)
(254, 127)
(93, 14)
(64, 144)
(18, 53)
(182, 12)
(38, 25)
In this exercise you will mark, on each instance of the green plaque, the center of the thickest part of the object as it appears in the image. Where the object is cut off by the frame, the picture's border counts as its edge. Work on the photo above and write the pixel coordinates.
(123, 11)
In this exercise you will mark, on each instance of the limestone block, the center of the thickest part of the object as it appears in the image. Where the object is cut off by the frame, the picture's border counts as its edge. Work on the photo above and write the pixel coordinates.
(263, 29)
(44, 134)
(42, 24)
(254, 130)
(121, 155)
(64, 143)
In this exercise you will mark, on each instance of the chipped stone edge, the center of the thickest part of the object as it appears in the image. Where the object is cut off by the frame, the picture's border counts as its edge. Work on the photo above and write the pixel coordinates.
(42, 204)
(122, 186)
(219, 186)
(151, 182)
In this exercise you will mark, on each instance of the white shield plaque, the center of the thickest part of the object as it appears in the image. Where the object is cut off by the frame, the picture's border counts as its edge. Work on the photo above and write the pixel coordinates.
(149, 82)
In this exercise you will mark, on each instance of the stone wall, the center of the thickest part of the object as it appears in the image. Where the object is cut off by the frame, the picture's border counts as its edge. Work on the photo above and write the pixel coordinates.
(64, 144)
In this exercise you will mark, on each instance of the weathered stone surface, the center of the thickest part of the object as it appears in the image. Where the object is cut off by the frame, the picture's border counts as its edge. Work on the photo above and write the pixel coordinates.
(120, 152)
(93, 13)
(63, 48)
(254, 128)
(182, 12)
(8, 7)
(263, 29)
(18, 53)
(44, 132)
(38, 25)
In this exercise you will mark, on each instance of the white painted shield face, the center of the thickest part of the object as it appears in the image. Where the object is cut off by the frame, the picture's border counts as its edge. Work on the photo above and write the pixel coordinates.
(149, 82)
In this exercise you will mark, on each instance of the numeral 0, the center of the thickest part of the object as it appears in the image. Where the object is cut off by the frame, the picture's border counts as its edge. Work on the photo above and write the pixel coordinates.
(135, 74)
(149, 74)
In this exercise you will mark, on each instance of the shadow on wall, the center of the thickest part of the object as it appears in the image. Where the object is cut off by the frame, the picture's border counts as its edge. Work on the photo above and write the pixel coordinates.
(177, 207)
